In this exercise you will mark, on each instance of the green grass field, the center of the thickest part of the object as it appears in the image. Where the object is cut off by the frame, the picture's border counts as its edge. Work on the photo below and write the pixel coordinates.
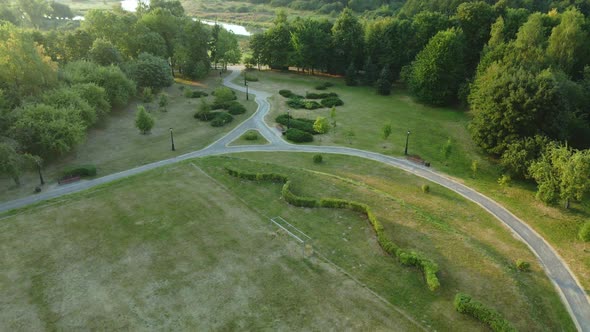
(115, 144)
(188, 246)
(364, 112)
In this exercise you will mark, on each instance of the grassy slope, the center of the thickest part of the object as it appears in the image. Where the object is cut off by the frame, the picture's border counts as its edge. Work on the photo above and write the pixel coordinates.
(160, 250)
(169, 249)
(365, 113)
(115, 144)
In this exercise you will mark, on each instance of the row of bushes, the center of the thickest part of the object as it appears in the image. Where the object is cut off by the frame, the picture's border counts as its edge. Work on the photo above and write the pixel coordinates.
(466, 305)
(408, 258)
(299, 123)
(188, 93)
(323, 86)
(298, 103)
(81, 171)
(289, 94)
(298, 136)
(314, 95)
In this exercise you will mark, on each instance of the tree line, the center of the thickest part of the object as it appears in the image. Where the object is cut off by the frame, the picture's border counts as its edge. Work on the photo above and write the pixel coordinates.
(55, 84)
(524, 74)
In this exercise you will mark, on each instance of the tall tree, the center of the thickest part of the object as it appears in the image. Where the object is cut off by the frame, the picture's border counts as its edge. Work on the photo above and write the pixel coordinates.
(311, 43)
(567, 46)
(562, 173)
(278, 38)
(475, 19)
(347, 42)
(438, 70)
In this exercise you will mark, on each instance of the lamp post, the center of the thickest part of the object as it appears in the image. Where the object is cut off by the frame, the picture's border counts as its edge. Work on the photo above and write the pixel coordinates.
(172, 139)
(40, 174)
(407, 138)
(246, 90)
(245, 81)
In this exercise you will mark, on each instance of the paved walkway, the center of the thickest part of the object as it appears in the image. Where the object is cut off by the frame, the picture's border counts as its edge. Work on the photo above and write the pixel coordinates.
(569, 288)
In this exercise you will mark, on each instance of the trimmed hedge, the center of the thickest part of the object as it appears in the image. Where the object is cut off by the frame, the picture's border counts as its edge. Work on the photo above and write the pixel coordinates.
(221, 119)
(81, 171)
(286, 93)
(332, 101)
(236, 108)
(313, 95)
(194, 94)
(298, 136)
(466, 305)
(299, 123)
(408, 258)
(324, 86)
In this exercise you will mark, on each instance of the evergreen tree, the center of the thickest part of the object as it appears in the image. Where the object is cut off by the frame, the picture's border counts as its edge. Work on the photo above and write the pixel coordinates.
(143, 121)
(384, 82)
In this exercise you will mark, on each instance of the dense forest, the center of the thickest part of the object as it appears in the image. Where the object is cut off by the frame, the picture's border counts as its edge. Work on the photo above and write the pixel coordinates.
(520, 67)
(57, 83)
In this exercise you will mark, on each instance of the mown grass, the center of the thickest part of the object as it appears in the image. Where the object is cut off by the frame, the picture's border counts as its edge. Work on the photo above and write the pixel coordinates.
(115, 144)
(476, 253)
(365, 113)
(170, 249)
(178, 248)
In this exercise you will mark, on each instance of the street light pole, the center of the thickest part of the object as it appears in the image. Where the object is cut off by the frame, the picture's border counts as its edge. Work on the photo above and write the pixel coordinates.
(172, 139)
(407, 138)
(247, 91)
(245, 81)
(40, 175)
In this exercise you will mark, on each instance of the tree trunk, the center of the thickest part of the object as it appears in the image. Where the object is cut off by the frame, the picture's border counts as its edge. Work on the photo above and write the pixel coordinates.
(567, 203)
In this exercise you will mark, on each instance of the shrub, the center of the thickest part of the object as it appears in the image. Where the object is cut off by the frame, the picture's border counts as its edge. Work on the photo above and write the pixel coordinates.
(81, 171)
(318, 159)
(425, 188)
(143, 121)
(296, 103)
(299, 123)
(523, 265)
(466, 305)
(188, 93)
(313, 95)
(298, 136)
(224, 95)
(251, 78)
(286, 93)
(205, 115)
(236, 108)
(251, 136)
(584, 233)
(324, 86)
(332, 101)
(312, 105)
(147, 95)
(221, 119)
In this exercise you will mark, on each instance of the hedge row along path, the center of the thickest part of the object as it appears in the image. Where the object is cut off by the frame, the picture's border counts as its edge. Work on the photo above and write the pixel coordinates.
(570, 290)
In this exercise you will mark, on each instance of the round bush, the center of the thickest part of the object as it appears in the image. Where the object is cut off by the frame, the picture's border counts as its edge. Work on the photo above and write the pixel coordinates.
(425, 188)
(286, 93)
(523, 265)
(332, 101)
(236, 108)
(312, 105)
(318, 158)
(251, 136)
(584, 233)
(296, 103)
(221, 119)
(298, 136)
(204, 115)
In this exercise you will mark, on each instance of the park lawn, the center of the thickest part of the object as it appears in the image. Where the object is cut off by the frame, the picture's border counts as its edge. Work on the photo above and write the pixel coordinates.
(115, 144)
(476, 252)
(170, 249)
(260, 140)
(364, 112)
(189, 247)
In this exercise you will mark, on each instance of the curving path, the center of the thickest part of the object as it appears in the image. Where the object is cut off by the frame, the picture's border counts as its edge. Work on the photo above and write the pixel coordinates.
(567, 285)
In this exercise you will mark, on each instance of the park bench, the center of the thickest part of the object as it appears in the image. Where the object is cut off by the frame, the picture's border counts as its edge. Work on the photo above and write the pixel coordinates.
(416, 159)
(68, 180)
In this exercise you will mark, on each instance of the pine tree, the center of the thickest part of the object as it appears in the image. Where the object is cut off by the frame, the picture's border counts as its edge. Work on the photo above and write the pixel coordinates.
(143, 121)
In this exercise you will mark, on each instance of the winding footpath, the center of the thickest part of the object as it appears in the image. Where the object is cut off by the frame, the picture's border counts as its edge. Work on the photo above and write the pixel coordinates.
(570, 290)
